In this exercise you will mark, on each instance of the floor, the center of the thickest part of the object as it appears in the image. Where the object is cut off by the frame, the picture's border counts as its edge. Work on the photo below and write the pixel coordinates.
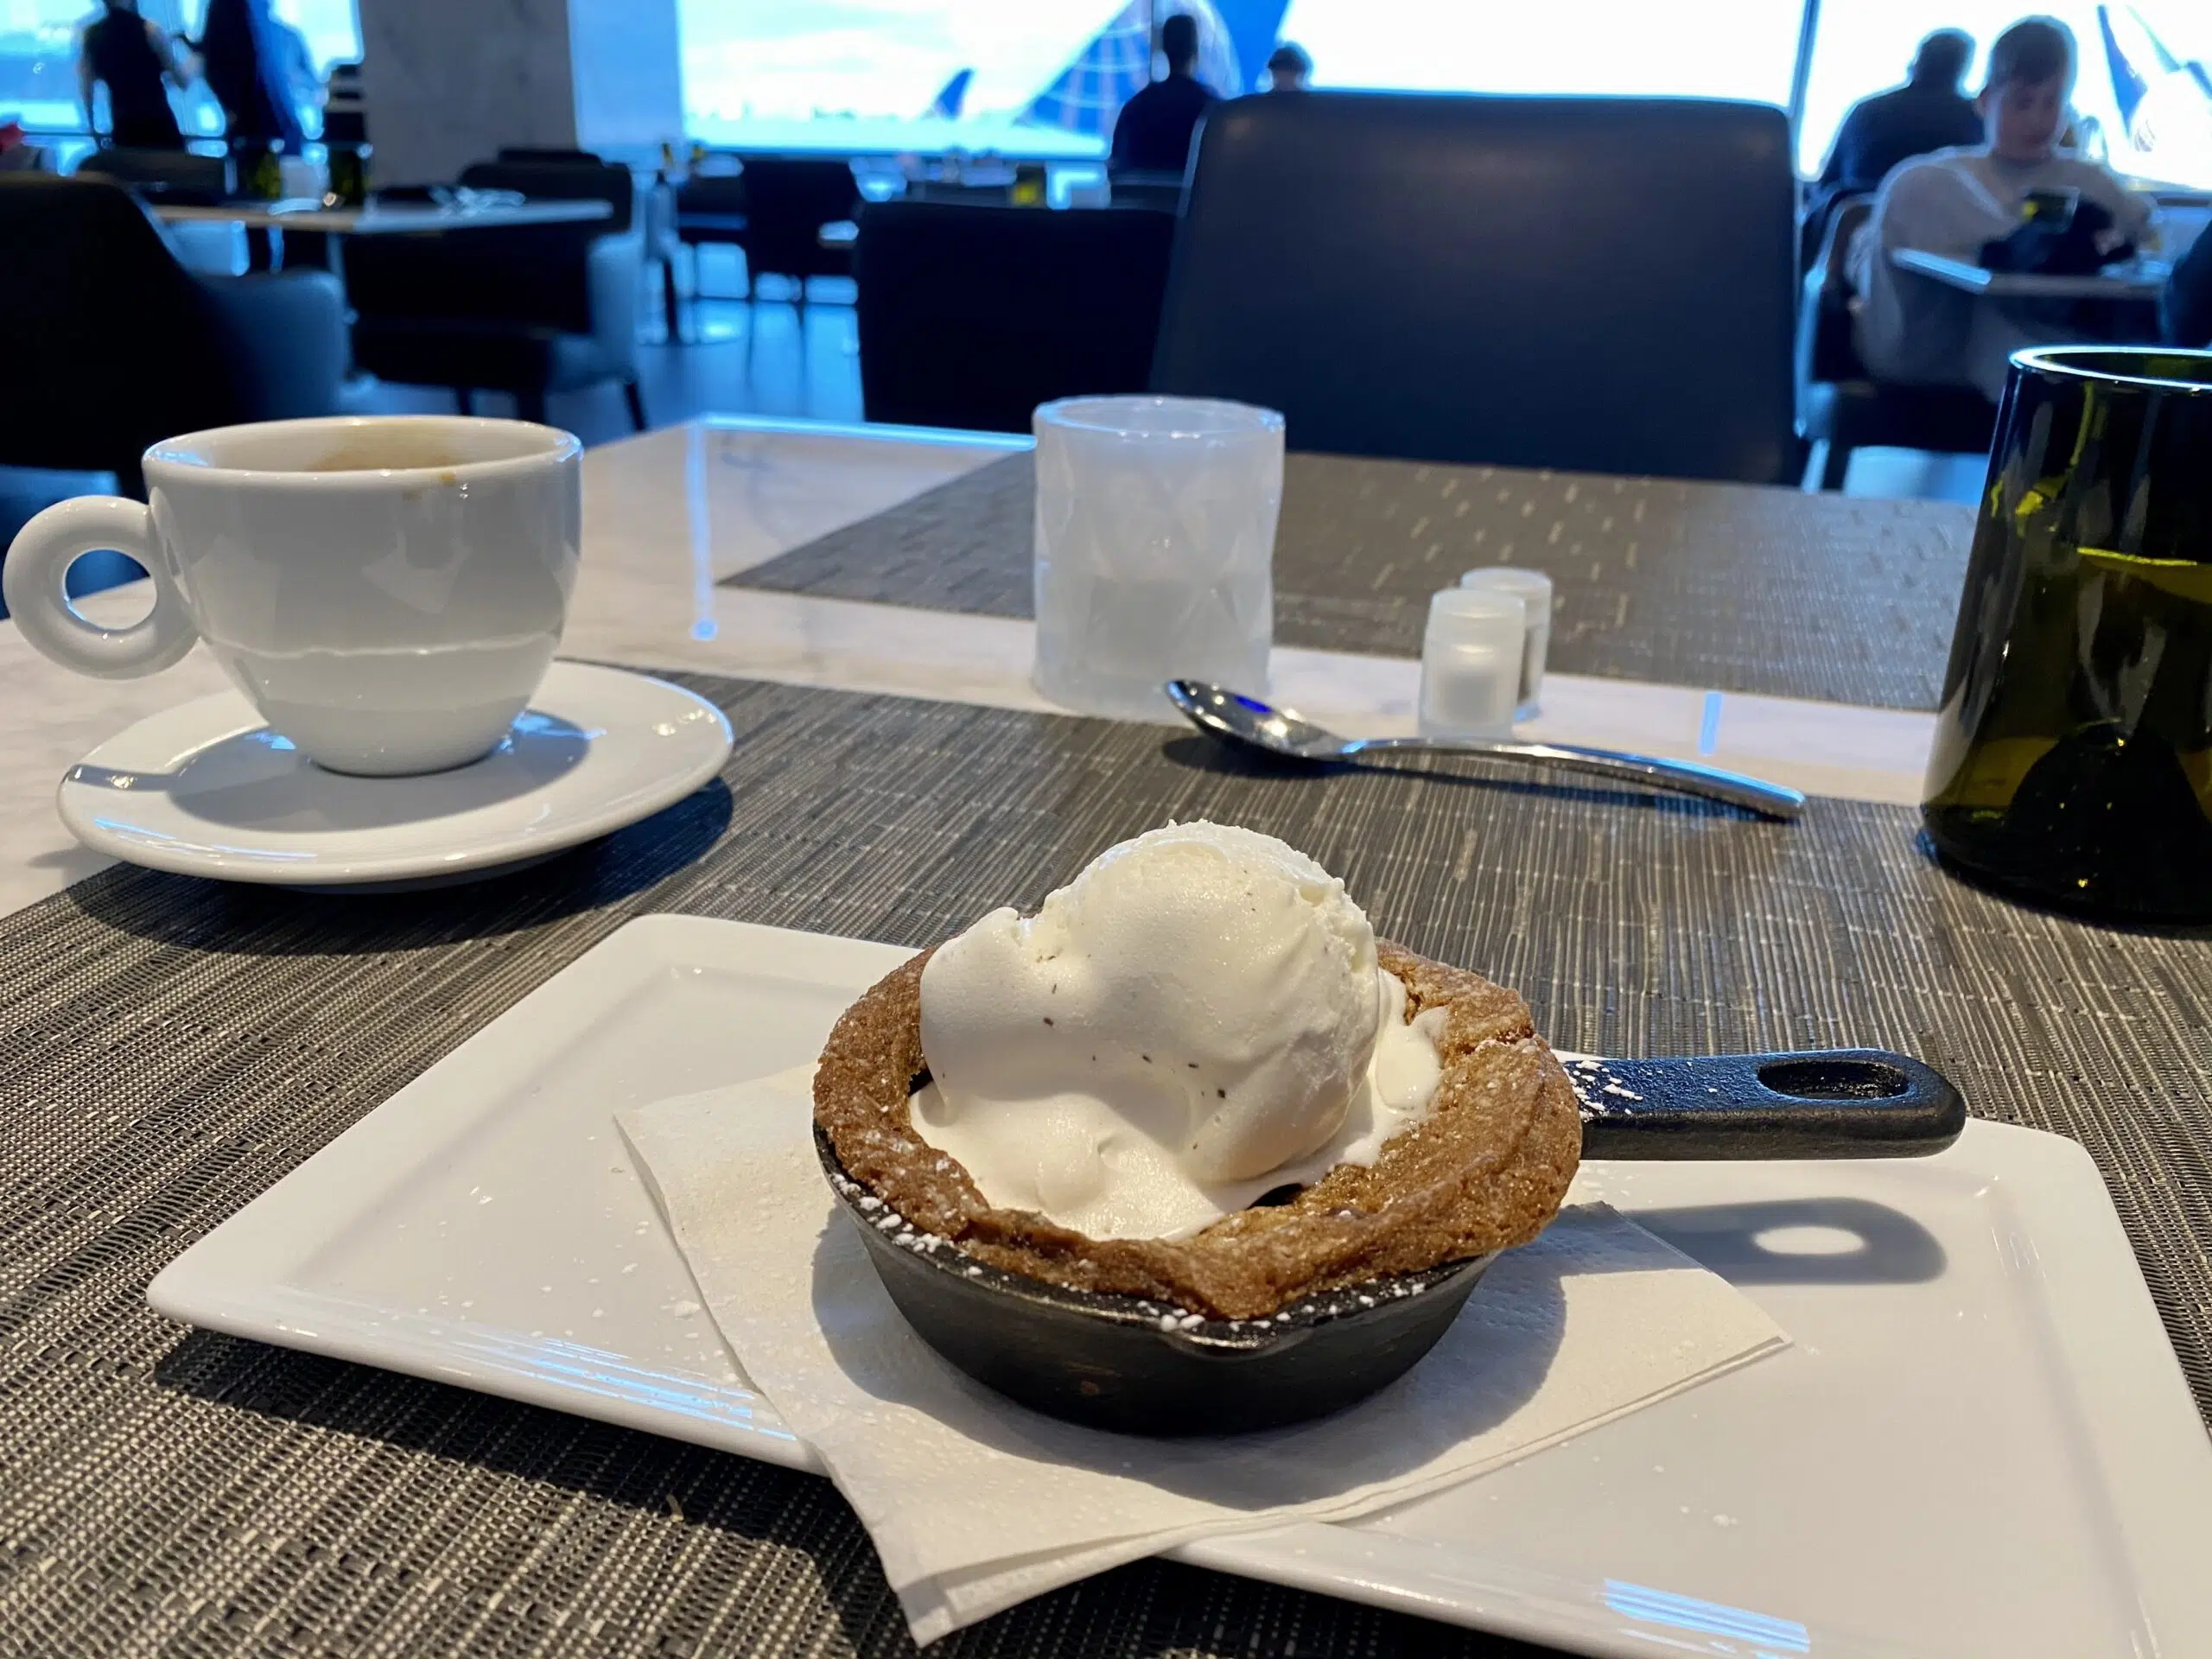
(737, 360)
(766, 359)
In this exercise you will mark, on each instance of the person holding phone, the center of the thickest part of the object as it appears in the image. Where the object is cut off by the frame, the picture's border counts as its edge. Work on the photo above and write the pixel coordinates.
(1956, 202)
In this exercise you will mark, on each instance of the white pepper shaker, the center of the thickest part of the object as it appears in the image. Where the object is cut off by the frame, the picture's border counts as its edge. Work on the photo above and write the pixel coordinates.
(1534, 589)
(1471, 657)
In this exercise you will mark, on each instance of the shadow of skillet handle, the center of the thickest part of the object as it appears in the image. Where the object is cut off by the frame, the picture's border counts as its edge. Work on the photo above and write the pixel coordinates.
(1749, 1243)
(1832, 1104)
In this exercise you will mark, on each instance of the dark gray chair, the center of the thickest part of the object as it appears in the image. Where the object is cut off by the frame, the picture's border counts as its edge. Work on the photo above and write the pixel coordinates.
(531, 153)
(1601, 284)
(787, 202)
(113, 345)
(172, 175)
(708, 210)
(772, 212)
(971, 316)
(345, 117)
(179, 178)
(959, 194)
(1842, 407)
(1139, 189)
(2186, 307)
(529, 310)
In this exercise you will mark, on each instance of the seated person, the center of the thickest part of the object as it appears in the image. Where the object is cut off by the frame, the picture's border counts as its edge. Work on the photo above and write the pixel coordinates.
(1916, 330)
(1153, 132)
(2185, 308)
(1927, 113)
(1289, 70)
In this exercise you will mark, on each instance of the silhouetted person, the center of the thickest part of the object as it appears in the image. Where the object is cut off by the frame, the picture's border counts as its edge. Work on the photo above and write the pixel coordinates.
(1928, 112)
(1955, 202)
(238, 53)
(344, 119)
(1153, 133)
(1289, 70)
(241, 57)
(293, 62)
(136, 62)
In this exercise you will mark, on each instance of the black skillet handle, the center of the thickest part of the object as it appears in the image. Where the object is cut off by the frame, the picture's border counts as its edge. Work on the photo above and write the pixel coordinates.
(1845, 1102)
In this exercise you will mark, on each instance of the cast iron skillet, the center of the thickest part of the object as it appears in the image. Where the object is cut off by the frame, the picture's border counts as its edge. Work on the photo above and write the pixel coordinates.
(1149, 1367)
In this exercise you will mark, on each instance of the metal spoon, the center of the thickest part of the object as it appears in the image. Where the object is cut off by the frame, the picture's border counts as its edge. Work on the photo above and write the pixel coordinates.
(1234, 718)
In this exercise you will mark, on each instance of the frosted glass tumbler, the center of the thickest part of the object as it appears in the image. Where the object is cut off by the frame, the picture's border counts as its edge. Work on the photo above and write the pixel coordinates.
(1155, 549)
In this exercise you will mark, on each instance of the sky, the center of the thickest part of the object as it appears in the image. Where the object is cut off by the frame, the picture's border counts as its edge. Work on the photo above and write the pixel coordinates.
(1722, 48)
(877, 57)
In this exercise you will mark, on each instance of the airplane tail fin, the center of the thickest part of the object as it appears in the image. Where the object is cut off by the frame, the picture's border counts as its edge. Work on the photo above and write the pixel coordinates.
(1234, 38)
(1254, 28)
(2133, 53)
(1104, 75)
(946, 106)
(2127, 84)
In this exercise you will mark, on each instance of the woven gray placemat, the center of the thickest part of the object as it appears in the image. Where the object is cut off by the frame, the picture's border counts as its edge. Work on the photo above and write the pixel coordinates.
(1726, 586)
(168, 1048)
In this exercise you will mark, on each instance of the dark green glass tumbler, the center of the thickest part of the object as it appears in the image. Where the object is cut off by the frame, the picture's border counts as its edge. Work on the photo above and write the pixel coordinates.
(2072, 764)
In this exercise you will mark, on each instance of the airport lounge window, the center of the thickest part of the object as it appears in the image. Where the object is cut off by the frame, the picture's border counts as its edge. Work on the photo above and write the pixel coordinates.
(38, 63)
(2142, 95)
(1045, 77)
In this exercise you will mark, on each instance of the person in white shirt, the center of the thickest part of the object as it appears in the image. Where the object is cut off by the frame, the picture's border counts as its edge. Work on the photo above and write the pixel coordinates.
(1914, 329)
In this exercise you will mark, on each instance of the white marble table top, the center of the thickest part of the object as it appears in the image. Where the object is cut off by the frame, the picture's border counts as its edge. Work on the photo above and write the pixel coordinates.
(668, 513)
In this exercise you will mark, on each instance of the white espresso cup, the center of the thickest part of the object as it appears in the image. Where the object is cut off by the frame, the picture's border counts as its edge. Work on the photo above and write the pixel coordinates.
(387, 591)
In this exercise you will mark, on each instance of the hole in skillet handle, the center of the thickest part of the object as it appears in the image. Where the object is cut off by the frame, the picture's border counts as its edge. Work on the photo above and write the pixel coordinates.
(1141, 1367)
(1833, 1103)
(1818, 1077)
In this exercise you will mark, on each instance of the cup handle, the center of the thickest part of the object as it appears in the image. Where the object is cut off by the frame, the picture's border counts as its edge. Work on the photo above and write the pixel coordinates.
(33, 580)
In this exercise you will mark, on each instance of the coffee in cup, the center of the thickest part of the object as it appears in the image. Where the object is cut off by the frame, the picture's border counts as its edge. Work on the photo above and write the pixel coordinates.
(387, 591)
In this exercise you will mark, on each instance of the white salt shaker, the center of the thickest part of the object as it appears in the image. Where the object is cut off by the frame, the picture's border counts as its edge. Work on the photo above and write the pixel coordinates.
(1471, 658)
(1535, 590)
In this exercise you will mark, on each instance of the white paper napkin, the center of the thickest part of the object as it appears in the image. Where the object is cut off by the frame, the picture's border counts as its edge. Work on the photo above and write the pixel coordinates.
(975, 1503)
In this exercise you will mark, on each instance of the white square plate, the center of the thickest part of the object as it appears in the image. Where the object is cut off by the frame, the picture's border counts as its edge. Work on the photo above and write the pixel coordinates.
(1979, 1443)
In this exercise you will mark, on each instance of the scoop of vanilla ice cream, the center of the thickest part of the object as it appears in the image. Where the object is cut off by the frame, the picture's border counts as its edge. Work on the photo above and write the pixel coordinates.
(1192, 1021)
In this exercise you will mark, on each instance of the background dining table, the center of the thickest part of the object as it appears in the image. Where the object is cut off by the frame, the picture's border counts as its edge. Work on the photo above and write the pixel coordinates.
(381, 218)
(2137, 280)
(853, 599)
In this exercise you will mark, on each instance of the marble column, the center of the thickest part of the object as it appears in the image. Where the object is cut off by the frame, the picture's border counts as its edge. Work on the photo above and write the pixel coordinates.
(448, 82)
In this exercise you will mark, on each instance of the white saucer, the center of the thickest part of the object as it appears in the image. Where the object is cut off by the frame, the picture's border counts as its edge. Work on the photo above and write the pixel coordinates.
(209, 789)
